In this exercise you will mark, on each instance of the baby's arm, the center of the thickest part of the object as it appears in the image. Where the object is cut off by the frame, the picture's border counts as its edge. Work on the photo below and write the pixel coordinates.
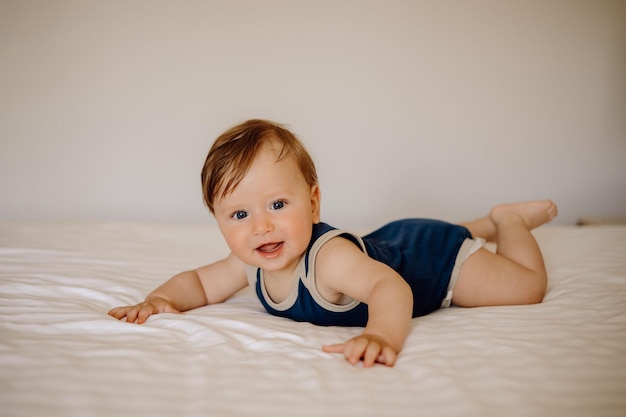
(208, 284)
(341, 267)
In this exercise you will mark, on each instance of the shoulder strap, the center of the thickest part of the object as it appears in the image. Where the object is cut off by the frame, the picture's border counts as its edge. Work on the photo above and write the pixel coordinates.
(308, 277)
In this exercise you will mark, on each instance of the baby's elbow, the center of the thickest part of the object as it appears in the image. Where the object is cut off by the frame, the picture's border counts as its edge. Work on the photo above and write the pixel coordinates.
(407, 293)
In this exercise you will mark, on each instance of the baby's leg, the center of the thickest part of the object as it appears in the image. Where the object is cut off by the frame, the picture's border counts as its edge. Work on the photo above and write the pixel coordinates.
(535, 213)
(515, 274)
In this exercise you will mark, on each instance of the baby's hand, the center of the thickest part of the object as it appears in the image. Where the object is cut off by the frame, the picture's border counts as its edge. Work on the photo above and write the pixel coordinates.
(367, 347)
(139, 313)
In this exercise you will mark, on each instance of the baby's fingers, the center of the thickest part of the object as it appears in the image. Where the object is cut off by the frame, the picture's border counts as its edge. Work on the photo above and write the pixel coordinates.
(361, 348)
(143, 314)
(119, 312)
(352, 350)
(346, 349)
(336, 348)
(387, 357)
(138, 313)
(372, 354)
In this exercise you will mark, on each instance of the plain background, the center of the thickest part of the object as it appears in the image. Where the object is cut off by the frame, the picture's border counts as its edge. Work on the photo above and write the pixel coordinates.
(410, 108)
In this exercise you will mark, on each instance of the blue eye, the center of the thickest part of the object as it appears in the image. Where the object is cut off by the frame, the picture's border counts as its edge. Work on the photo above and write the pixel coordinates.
(277, 205)
(240, 215)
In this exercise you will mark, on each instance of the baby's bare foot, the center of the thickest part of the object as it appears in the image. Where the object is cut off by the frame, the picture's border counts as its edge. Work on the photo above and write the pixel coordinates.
(534, 213)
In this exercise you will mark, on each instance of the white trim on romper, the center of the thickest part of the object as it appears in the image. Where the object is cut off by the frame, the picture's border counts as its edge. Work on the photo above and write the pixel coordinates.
(469, 247)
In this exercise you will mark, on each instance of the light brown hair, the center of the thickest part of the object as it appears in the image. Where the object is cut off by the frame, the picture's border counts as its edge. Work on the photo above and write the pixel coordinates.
(233, 153)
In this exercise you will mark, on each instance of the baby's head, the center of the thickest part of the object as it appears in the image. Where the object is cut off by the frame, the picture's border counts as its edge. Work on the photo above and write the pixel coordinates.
(233, 153)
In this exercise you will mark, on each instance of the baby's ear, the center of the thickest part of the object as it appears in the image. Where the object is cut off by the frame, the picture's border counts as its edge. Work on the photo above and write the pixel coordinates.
(316, 199)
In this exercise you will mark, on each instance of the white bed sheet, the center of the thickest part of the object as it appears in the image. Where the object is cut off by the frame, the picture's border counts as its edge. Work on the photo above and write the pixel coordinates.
(61, 355)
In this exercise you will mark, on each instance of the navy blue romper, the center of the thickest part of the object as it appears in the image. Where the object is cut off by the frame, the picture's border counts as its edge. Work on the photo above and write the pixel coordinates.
(422, 251)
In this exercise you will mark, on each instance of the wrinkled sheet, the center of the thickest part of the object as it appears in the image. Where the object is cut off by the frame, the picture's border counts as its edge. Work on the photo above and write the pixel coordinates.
(61, 355)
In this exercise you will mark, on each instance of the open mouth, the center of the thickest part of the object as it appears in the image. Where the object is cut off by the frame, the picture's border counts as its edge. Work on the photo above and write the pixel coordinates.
(270, 249)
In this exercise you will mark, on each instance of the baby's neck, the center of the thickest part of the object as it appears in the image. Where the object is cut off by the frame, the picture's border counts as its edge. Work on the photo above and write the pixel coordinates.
(279, 284)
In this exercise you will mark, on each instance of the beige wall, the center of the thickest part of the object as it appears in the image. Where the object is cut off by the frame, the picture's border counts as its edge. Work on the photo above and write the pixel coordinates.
(410, 108)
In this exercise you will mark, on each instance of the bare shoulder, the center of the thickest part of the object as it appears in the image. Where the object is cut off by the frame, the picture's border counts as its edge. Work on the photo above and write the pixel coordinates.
(342, 267)
(340, 253)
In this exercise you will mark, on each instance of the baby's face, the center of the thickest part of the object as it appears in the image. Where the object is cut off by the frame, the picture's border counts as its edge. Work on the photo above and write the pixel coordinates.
(267, 219)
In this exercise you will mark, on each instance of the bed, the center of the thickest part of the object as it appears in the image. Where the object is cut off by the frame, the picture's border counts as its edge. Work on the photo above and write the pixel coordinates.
(61, 355)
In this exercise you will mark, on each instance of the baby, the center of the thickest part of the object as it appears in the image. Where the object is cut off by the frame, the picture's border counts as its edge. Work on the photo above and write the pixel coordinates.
(261, 185)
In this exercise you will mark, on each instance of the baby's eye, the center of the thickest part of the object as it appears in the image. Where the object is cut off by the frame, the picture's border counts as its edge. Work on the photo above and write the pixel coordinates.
(277, 205)
(240, 215)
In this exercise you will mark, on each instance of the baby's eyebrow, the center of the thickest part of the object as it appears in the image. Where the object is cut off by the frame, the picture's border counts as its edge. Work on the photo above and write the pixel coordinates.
(228, 210)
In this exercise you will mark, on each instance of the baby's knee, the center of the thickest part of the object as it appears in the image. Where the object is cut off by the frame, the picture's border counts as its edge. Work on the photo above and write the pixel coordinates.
(537, 289)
